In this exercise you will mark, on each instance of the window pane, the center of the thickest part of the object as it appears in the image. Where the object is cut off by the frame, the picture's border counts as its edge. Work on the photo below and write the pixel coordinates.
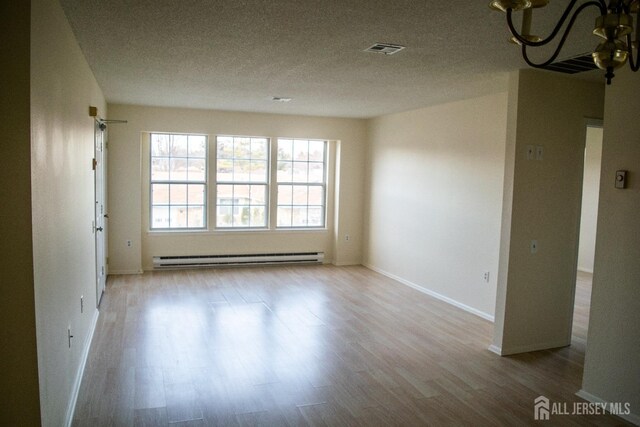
(316, 172)
(159, 169)
(300, 194)
(284, 194)
(160, 145)
(195, 217)
(301, 150)
(315, 218)
(224, 216)
(316, 151)
(300, 172)
(285, 149)
(160, 217)
(259, 148)
(258, 171)
(159, 194)
(284, 216)
(242, 220)
(258, 216)
(285, 171)
(315, 195)
(257, 195)
(196, 195)
(197, 146)
(225, 194)
(242, 148)
(178, 217)
(241, 170)
(241, 194)
(178, 169)
(178, 194)
(225, 147)
(179, 145)
(224, 170)
(196, 170)
(299, 216)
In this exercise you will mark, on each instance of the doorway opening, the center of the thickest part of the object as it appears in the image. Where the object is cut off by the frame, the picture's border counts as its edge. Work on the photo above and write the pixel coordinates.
(588, 226)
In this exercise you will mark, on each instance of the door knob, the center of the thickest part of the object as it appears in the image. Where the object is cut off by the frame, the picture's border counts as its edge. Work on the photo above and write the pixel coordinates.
(99, 229)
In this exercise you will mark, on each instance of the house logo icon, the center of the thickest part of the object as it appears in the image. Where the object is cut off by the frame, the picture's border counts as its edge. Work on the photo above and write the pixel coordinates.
(541, 408)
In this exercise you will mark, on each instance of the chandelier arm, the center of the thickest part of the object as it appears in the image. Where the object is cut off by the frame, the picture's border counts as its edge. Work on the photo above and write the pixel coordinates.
(599, 3)
(562, 40)
(636, 66)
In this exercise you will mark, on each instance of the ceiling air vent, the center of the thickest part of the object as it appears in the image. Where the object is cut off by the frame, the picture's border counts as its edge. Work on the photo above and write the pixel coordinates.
(386, 48)
(574, 65)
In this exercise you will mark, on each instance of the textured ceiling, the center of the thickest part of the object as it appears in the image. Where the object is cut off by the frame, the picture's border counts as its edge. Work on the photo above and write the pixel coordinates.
(238, 54)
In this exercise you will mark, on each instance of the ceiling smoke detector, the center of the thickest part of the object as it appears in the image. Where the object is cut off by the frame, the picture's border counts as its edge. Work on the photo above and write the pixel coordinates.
(386, 48)
(280, 99)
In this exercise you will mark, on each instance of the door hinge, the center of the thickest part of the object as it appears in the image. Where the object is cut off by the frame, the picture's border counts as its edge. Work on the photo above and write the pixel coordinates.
(94, 164)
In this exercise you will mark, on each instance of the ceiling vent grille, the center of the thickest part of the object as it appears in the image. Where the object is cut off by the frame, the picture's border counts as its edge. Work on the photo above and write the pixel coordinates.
(574, 65)
(386, 48)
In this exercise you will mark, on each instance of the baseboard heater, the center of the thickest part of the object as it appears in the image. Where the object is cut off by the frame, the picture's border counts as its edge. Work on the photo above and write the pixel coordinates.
(193, 261)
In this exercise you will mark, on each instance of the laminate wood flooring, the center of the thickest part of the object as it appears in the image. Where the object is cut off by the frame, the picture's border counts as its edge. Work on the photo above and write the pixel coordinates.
(307, 345)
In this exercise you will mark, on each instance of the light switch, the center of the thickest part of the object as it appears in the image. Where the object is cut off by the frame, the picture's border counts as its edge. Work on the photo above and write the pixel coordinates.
(534, 246)
(531, 152)
(539, 152)
(621, 179)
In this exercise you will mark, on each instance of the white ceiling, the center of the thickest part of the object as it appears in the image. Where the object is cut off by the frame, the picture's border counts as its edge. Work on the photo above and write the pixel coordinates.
(238, 54)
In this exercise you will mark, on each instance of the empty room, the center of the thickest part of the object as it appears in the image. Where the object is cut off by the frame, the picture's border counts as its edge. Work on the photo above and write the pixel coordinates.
(294, 213)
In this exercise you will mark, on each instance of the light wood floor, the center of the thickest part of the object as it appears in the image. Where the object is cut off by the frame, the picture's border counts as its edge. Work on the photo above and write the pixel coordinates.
(317, 345)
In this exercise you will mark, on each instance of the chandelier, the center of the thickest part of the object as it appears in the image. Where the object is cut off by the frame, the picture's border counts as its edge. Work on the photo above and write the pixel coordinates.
(614, 25)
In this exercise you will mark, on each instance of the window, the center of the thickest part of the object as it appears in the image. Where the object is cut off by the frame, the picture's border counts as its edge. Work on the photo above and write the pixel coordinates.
(242, 178)
(178, 181)
(301, 183)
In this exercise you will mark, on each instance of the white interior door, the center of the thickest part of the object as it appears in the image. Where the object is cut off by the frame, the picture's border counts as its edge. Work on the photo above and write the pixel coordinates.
(100, 224)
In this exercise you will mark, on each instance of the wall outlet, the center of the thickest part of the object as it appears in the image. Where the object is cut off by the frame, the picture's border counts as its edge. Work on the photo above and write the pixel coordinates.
(129, 243)
(486, 276)
(533, 246)
(347, 237)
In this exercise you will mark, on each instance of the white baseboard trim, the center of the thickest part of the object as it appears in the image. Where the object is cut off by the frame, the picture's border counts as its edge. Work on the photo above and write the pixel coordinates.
(112, 272)
(75, 389)
(632, 418)
(533, 347)
(433, 294)
(495, 349)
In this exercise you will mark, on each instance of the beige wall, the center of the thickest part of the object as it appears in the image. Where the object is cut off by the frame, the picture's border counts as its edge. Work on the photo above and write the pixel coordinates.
(62, 135)
(18, 359)
(590, 190)
(535, 293)
(612, 366)
(434, 186)
(128, 186)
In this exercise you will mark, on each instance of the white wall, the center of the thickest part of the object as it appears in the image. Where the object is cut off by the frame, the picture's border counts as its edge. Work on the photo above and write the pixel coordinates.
(62, 135)
(590, 190)
(128, 182)
(535, 291)
(612, 364)
(434, 186)
(18, 358)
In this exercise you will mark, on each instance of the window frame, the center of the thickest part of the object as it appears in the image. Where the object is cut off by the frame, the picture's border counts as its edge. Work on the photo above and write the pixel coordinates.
(205, 183)
(323, 185)
(267, 187)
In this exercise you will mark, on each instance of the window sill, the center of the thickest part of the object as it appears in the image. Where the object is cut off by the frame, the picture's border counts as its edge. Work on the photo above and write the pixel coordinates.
(246, 231)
